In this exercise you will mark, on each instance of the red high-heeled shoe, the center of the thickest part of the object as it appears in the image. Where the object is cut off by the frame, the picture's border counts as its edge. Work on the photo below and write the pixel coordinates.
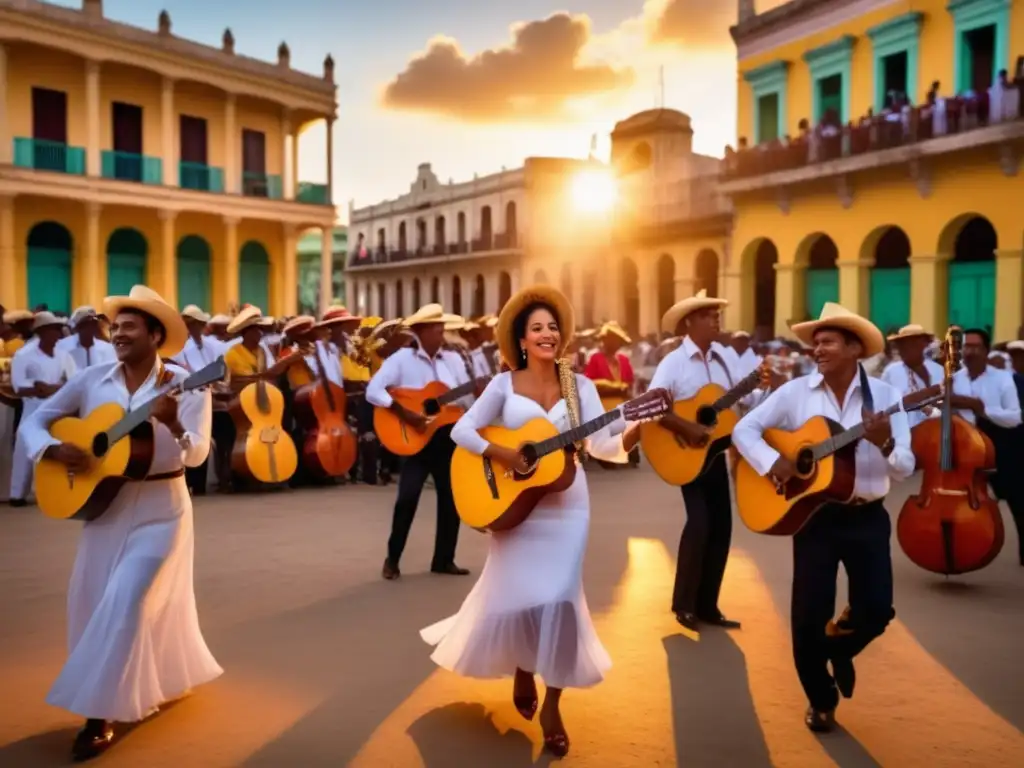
(557, 743)
(525, 704)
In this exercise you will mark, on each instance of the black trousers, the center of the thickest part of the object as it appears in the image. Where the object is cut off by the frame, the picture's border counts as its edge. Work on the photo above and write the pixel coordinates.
(435, 461)
(223, 431)
(195, 478)
(858, 537)
(704, 545)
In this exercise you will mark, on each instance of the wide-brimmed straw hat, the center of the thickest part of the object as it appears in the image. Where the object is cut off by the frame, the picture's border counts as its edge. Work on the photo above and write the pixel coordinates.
(454, 322)
(299, 325)
(428, 314)
(614, 329)
(912, 331)
(386, 327)
(487, 321)
(193, 312)
(219, 320)
(81, 315)
(45, 320)
(1015, 346)
(247, 318)
(13, 316)
(741, 335)
(681, 309)
(337, 315)
(150, 302)
(267, 321)
(508, 346)
(836, 316)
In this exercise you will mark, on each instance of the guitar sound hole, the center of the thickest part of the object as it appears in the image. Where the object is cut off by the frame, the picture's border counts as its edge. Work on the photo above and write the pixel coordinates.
(706, 416)
(529, 452)
(805, 462)
(100, 445)
(431, 407)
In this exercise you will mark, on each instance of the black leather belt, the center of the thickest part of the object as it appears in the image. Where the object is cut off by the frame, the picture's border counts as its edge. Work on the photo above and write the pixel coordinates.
(165, 476)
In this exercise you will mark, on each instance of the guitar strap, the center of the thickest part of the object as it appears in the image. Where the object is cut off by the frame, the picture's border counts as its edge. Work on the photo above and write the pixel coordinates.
(571, 395)
(865, 390)
(718, 359)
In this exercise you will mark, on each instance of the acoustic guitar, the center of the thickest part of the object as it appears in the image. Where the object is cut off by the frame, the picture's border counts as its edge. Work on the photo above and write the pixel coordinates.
(826, 469)
(435, 401)
(85, 496)
(676, 461)
(329, 447)
(493, 498)
(263, 450)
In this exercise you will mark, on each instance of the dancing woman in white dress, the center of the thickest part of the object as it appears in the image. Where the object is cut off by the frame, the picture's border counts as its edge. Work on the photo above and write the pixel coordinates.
(527, 615)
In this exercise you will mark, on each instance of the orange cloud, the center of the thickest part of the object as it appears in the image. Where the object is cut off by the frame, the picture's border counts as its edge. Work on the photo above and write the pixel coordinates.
(695, 23)
(534, 78)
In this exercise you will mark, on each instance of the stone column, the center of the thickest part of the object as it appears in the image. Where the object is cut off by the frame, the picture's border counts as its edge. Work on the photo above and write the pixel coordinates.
(444, 291)
(167, 280)
(732, 290)
(492, 289)
(10, 293)
(6, 143)
(289, 272)
(855, 285)
(1009, 294)
(93, 273)
(326, 267)
(232, 169)
(790, 303)
(93, 163)
(647, 284)
(929, 292)
(229, 280)
(288, 153)
(330, 160)
(169, 147)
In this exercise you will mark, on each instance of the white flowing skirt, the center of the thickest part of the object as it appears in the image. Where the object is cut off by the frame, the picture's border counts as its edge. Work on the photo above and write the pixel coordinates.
(133, 632)
(528, 610)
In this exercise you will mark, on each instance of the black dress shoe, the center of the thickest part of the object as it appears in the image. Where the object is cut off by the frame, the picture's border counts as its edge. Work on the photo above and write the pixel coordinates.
(820, 720)
(845, 675)
(720, 621)
(18, 503)
(92, 741)
(390, 571)
(450, 570)
(688, 621)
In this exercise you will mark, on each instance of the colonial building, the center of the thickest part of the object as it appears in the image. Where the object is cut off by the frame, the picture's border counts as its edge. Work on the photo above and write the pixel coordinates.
(130, 155)
(309, 273)
(882, 163)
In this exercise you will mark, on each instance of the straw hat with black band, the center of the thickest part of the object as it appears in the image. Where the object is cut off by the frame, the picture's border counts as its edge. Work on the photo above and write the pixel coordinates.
(149, 302)
(547, 295)
(247, 318)
(299, 325)
(834, 316)
(682, 309)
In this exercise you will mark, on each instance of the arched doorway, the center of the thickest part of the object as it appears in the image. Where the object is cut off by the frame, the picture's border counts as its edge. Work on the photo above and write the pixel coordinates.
(972, 275)
(194, 257)
(126, 261)
(440, 236)
(478, 297)
(486, 231)
(706, 272)
(460, 226)
(403, 240)
(822, 283)
(254, 276)
(435, 291)
(666, 271)
(399, 299)
(49, 266)
(890, 280)
(511, 226)
(765, 258)
(456, 295)
(589, 297)
(630, 277)
(415, 294)
(566, 280)
(504, 289)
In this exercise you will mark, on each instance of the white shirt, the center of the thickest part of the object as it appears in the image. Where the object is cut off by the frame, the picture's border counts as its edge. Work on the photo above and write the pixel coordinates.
(481, 366)
(195, 358)
(102, 384)
(328, 354)
(795, 402)
(457, 364)
(748, 362)
(30, 365)
(409, 367)
(995, 388)
(100, 352)
(685, 370)
(900, 377)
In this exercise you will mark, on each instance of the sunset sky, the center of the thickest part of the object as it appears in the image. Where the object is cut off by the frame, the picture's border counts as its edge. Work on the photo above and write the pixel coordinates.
(471, 86)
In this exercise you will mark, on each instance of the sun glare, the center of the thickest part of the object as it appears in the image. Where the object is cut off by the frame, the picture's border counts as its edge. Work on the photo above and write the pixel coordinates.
(593, 191)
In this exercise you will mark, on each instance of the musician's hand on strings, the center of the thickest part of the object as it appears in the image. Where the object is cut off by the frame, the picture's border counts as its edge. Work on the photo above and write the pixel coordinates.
(782, 471)
(968, 403)
(71, 456)
(510, 458)
(42, 389)
(877, 429)
(694, 434)
(165, 411)
(415, 420)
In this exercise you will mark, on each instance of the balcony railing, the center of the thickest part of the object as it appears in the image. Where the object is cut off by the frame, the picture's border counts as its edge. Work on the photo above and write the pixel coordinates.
(44, 155)
(127, 166)
(485, 243)
(314, 194)
(380, 255)
(202, 178)
(256, 184)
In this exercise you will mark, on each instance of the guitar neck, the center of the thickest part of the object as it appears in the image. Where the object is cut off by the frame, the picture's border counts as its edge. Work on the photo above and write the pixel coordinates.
(573, 436)
(737, 393)
(461, 391)
(846, 437)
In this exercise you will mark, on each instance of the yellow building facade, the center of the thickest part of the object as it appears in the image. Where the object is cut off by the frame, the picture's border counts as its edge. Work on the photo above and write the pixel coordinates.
(131, 155)
(925, 228)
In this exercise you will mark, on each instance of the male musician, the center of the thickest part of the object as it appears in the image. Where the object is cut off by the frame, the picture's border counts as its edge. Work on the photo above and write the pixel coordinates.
(199, 351)
(704, 545)
(857, 534)
(612, 374)
(37, 371)
(18, 331)
(133, 633)
(415, 367)
(85, 345)
(749, 360)
(483, 350)
(912, 372)
(988, 397)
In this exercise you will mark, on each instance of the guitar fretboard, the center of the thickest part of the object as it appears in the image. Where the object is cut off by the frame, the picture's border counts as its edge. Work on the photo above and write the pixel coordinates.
(847, 436)
(462, 390)
(565, 439)
(737, 393)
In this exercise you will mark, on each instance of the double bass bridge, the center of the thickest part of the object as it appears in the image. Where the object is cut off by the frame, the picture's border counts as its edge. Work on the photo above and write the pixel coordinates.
(949, 492)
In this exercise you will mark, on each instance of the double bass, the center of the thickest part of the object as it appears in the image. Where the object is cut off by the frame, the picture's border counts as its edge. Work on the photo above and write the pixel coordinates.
(329, 447)
(953, 525)
(263, 450)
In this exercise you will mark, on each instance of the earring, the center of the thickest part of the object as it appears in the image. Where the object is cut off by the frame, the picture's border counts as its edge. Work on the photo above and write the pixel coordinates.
(522, 352)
